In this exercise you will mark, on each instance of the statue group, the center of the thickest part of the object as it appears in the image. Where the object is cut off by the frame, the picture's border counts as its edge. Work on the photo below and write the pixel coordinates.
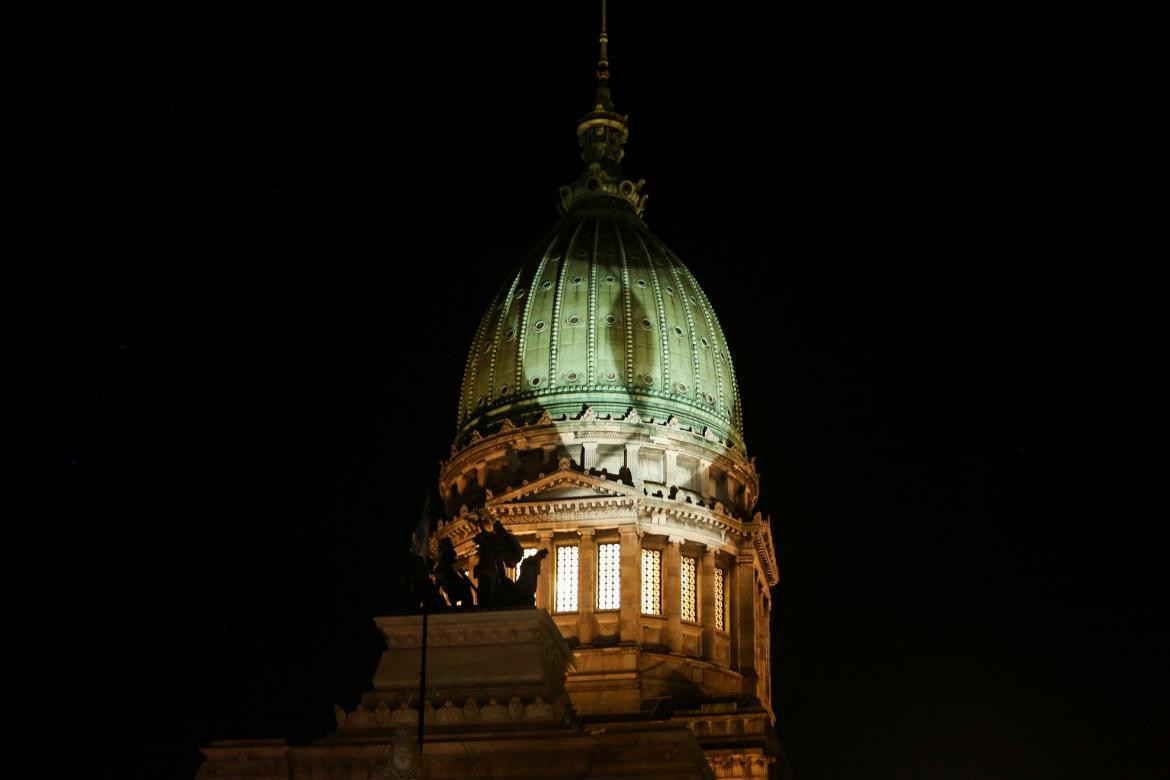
(446, 586)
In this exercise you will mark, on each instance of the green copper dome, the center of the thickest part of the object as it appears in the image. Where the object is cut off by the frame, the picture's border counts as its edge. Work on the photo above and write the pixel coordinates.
(603, 314)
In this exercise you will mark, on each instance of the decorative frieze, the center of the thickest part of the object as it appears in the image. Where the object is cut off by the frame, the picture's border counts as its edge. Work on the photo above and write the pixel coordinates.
(386, 716)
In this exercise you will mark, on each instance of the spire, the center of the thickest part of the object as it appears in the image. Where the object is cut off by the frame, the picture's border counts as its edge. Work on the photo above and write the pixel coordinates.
(603, 59)
(603, 100)
(602, 134)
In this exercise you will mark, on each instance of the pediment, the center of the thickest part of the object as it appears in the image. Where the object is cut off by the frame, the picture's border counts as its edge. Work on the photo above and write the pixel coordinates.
(564, 485)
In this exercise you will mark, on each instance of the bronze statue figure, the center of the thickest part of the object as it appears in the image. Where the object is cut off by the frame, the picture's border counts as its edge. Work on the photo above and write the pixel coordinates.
(498, 550)
(456, 587)
(446, 586)
(529, 573)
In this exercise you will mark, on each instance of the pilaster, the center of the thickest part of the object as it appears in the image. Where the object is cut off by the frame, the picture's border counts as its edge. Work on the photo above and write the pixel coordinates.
(631, 600)
(744, 629)
(586, 585)
(672, 596)
(544, 584)
(707, 604)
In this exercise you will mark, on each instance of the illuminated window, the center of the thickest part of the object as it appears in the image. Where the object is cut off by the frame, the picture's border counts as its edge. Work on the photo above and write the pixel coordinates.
(528, 553)
(720, 602)
(609, 576)
(651, 582)
(689, 591)
(567, 578)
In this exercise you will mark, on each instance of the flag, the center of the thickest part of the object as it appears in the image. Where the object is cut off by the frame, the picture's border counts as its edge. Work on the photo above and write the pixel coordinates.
(421, 541)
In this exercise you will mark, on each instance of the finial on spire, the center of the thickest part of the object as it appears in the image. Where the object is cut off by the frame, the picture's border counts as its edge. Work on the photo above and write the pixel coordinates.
(603, 60)
(602, 133)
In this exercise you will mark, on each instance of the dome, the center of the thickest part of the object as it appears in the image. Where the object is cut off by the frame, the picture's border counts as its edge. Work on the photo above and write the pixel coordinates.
(601, 314)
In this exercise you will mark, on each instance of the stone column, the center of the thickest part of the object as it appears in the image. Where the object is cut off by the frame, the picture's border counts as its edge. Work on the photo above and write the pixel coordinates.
(745, 620)
(766, 630)
(634, 462)
(481, 473)
(670, 467)
(672, 594)
(707, 605)
(629, 618)
(544, 585)
(589, 454)
(586, 584)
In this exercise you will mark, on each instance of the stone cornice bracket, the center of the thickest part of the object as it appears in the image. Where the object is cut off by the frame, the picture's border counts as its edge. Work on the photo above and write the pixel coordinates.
(757, 545)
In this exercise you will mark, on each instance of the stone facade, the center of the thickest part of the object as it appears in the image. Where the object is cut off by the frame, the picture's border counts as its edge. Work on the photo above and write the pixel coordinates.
(497, 707)
(706, 663)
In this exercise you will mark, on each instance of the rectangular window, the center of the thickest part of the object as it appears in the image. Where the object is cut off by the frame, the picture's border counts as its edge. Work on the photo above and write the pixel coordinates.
(609, 576)
(528, 553)
(567, 578)
(651, 582)
(690, 596)
(720, 602)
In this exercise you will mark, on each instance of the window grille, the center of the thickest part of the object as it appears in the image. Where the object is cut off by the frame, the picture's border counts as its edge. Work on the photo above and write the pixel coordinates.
(651, 582)
(720, 602)
(689, 591)
(567, 578)
(609, 576)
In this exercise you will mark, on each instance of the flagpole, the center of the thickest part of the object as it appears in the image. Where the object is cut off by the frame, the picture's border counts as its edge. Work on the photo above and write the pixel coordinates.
(422, 676)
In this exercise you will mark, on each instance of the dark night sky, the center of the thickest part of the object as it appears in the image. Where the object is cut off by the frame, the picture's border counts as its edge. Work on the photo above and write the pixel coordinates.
(280, 234)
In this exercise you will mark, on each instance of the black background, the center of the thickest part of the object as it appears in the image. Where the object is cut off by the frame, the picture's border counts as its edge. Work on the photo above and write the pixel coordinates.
(277, 235)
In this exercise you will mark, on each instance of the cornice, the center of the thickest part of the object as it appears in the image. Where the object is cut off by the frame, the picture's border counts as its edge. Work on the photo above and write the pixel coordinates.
(589, 423)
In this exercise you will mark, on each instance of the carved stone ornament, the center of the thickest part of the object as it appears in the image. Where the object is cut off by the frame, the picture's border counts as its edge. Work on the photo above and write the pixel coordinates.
(493, 712)
(476, 437)
(673, 424)
(539, 710)
(632, 416)
(544, 419)
(405, 760)
(709, 435)
(404, 715)
(507, 426)
(449, 714)
(564, 464)
(588, 414)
